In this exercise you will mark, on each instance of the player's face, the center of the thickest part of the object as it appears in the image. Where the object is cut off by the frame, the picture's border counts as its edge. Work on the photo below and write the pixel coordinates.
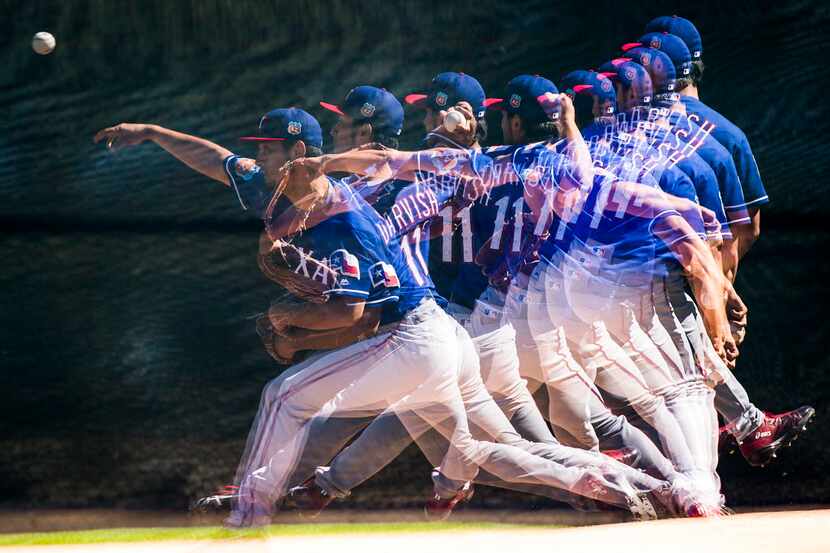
(506, 130)
(432, 119)
(600, 110)
(511, 129)
(348, 134)
(271, 156)
(628, 98)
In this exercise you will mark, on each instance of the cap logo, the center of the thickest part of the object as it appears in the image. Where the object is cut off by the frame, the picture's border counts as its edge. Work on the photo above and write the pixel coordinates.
(295, 127)
(441, 99)
(645, 59)
(630, 73)
(515, 101)
(655, 43)
(367, 110)
(606, 85)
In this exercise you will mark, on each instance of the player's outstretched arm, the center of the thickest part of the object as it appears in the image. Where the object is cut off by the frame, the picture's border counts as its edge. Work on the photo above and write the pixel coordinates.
(709, 286)
(197, 153)
(581, 162)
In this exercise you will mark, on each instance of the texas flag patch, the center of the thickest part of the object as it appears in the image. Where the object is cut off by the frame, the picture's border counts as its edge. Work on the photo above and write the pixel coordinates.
(383, 274)
(344, 263)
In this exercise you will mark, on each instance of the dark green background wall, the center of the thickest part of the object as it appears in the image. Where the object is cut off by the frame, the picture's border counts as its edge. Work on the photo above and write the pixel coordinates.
(129, 364)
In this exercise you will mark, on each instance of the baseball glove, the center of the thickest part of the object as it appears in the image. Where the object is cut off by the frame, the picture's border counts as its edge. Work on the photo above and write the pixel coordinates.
(300, 274)
(269, 339)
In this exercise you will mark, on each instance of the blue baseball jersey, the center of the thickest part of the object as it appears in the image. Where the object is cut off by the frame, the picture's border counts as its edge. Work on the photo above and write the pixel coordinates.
(662, 174)
(636, 160)
(342, 236)
(702, 177)
(501, 225)
(687, 132)
(602, 231)
(407, 210)
(734, 140)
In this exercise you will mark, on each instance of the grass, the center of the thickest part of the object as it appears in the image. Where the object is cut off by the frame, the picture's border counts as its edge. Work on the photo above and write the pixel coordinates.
(125, 535)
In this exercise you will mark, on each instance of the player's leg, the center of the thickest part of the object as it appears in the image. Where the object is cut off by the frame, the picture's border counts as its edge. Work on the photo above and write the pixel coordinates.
(622, 353)
(577, 410)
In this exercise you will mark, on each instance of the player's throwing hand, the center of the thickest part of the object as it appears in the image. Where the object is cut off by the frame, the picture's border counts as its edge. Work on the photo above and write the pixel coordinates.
(122, 135)
(462, 134)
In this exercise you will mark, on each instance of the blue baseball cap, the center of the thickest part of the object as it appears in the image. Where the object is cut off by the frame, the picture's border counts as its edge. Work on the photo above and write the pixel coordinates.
(370, 104)
(630, 75)
(591, 83)
(681, 27)
(447, 89)
(288, 124)
(675, 48)
(522, 95)
(660, 68)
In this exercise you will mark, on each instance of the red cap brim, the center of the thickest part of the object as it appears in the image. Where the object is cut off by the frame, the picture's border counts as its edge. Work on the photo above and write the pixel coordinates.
(629, 45)
(415, 99)
(609, 74)
(494, 103)
(332, 107)
(260, 139)
(582, 87)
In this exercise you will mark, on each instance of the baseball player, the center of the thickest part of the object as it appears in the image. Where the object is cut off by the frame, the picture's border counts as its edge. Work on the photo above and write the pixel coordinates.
(413, 361)
(759, 434)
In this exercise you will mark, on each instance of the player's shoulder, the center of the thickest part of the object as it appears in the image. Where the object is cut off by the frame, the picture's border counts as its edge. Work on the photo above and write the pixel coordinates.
(723, 125)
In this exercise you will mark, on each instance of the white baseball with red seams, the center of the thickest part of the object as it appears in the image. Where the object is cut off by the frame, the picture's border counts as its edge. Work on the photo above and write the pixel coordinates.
(453, 120)
(43, 43)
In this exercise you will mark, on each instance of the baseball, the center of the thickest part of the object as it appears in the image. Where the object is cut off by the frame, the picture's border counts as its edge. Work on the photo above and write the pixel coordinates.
(43, 43)
(453, 120)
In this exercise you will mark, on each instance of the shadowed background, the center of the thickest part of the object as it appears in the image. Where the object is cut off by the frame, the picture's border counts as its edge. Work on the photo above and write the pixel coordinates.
(129, 364)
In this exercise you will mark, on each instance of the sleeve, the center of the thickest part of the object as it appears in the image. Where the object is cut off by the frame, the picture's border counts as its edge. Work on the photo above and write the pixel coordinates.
(248, 182)
(732, 195)
(675, 237)
(351, 273)
(709, 197)
(754, 192)
(676, 183)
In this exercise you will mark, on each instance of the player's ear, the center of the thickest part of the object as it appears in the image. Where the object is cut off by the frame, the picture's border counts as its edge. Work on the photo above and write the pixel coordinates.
(516, 125)
(298, 150)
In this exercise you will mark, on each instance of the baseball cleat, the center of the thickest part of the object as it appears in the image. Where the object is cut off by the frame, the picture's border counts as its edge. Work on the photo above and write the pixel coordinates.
(617, 492)
(625, 455)
(700, 510)
(641, 507)
(310, 499)
(775, 433)
(438, 508)
(220, 500)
